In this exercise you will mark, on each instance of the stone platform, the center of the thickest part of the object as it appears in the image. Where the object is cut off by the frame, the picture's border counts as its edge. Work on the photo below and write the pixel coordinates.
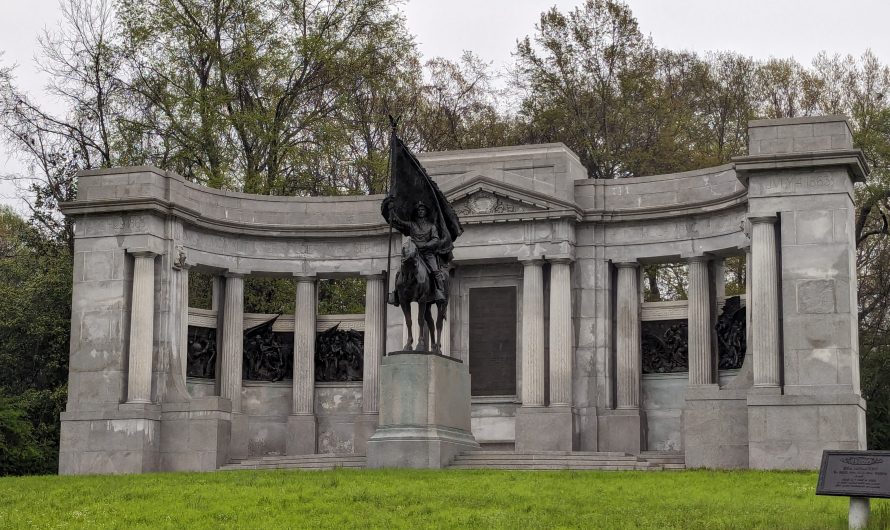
(424, 411)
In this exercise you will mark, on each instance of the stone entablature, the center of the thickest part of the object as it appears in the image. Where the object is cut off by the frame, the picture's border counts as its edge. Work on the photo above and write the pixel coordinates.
(571, 247)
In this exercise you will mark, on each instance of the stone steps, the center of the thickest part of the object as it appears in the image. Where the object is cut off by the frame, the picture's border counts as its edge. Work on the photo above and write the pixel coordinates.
(555, 466)
(546, 460)
(528, 460)
(542, 456)
(667, 459)
(308, 462)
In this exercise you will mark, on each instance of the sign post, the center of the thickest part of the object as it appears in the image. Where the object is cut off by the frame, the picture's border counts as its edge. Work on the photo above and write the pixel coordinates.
(860, 475)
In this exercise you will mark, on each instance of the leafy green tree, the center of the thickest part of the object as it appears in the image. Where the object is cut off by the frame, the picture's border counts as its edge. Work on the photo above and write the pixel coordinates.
(35, 319)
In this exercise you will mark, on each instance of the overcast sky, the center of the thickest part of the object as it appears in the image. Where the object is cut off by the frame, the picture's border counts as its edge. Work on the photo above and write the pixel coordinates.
(490, 28)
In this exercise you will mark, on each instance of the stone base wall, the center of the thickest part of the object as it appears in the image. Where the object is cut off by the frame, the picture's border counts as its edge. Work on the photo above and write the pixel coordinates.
(113, 441)
(790, 432)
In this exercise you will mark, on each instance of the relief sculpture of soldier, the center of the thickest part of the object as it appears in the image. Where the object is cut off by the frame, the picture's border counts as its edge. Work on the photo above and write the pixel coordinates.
(417, 209)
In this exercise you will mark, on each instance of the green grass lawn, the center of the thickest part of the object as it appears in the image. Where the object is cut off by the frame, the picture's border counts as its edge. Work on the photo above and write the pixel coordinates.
(427, 499)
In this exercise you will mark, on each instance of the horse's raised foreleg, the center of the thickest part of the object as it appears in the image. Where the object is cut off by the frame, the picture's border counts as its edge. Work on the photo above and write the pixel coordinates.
(406, 310)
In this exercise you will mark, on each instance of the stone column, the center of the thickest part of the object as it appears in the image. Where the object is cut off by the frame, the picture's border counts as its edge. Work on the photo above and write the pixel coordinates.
(532, 333)
(765, 298)
(701, 359)
(184, 320)
(232, 340)
(231, 360)
(141, 328)
(375, 330)
(629, 366)
(301, 424)
(560, 332)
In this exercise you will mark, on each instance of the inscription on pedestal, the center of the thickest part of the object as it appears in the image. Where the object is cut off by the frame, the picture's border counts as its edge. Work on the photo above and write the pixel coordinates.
(855, 474)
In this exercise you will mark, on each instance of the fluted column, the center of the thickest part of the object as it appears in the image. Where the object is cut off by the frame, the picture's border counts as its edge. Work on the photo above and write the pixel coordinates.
(142, 312)
(701, 361)
(375, 331)
(184, 319)
(627, 343)
(304, 346)
(560, 332)
(232, 340)
(764, 282)
(532, 333)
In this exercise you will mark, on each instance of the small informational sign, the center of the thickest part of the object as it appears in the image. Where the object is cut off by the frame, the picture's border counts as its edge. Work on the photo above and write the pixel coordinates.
(855, 474)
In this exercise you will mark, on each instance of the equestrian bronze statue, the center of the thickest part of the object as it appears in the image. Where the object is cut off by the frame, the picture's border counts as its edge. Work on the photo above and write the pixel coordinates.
(416, 208)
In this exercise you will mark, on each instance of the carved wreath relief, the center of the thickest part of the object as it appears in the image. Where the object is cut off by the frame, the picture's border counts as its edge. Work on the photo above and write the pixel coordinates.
(485, 202)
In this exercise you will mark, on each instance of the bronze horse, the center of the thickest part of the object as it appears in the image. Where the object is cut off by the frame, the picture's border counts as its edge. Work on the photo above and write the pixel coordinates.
(414, 284)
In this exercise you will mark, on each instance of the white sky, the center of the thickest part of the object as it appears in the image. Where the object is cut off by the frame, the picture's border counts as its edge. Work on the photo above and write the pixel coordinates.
(490, 28)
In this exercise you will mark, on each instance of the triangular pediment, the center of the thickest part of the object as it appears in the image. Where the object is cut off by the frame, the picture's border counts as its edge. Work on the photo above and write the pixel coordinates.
(481, 195)
(489, 202)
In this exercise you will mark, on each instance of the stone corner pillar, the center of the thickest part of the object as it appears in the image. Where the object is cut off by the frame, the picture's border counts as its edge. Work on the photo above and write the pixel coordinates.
(623, 428)
(301, 424)
(765, 302)
(701, 355)
(141, 327)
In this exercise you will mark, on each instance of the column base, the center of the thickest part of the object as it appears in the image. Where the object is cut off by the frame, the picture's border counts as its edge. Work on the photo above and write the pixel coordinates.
(715, 427)
(790, 432)
(623, 431)
(544, 429)
(121, 439)
(420, 447)
(195, 434)
(365, 426)
(302, 434)
(239, 442)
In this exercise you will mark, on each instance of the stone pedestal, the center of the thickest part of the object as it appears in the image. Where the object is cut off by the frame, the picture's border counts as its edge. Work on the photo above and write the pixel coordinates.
(301, 434)
(424, 412)
(544, 428)
(195, 435)
(715, 427)
(125, 439)
(622, 430)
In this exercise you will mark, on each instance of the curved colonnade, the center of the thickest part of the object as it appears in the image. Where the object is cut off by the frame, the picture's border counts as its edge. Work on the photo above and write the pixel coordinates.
(570, 248)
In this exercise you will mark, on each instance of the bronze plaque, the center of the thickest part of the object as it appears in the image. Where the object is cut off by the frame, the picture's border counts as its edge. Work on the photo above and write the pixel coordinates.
(492, 323)
(855, 474)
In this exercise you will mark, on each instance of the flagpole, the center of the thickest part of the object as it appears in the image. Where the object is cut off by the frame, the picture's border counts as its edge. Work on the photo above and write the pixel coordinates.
(392, 157)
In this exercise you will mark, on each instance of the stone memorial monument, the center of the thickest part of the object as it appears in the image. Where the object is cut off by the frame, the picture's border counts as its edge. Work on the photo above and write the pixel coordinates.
(540, 299)
(424, 395)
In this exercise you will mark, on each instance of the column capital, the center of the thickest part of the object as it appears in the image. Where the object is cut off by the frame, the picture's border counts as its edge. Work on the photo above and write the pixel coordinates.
(762, 218)
(626, 264)
(560, 259)
(305, 276)
(235, 273)
(703, 258)
(142, 252)
(529, 261)
(374, 275)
